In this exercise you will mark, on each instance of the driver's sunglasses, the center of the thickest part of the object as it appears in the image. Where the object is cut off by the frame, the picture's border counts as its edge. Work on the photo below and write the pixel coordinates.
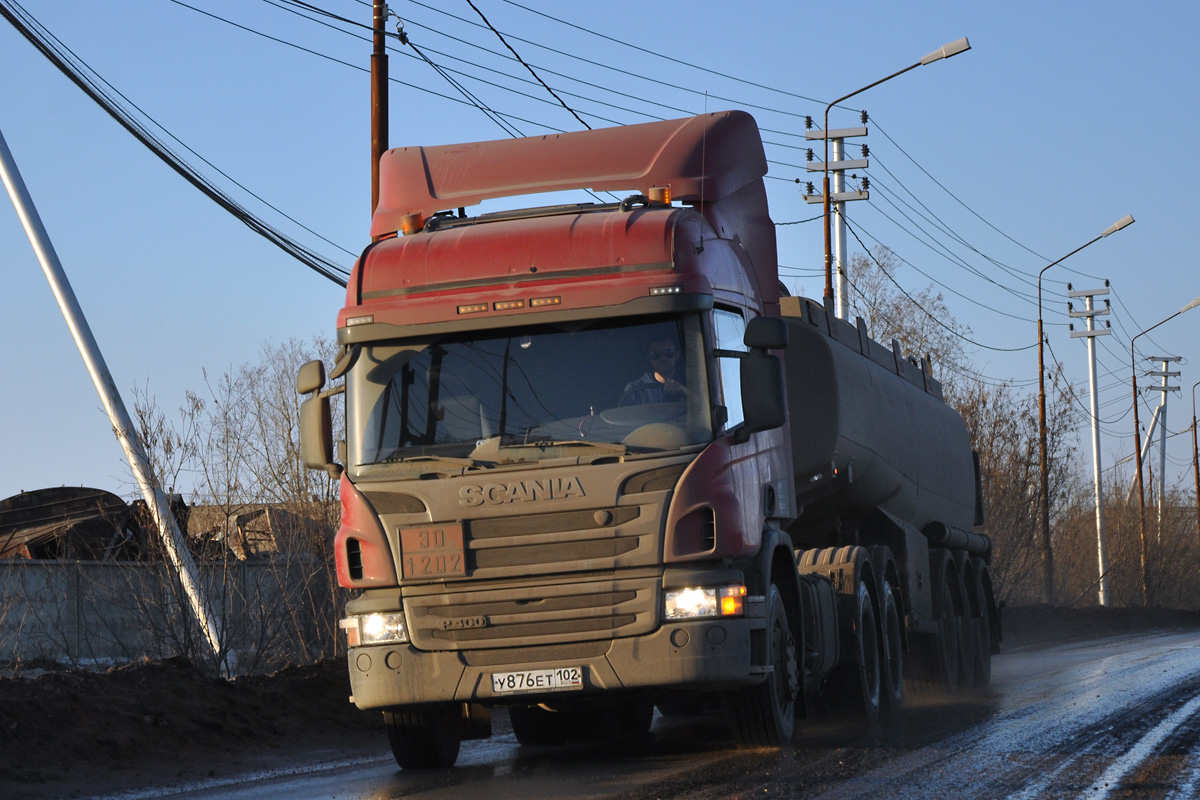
(660, 354)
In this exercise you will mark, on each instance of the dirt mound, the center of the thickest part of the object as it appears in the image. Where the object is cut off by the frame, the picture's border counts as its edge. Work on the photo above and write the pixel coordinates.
(136, 720)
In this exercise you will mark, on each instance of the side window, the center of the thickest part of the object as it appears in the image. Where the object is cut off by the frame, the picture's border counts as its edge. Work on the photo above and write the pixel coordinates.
(730, 328)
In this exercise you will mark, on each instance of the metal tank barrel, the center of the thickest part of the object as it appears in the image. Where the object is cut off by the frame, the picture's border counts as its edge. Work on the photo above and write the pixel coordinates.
(869, 428)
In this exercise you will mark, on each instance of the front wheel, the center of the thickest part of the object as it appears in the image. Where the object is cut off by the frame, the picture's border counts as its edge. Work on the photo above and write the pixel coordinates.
(425, 738)
(764, 715)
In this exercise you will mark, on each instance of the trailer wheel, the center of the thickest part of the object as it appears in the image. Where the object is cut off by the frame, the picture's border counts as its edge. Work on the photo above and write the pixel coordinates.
(968, 631)
(891, 662)
(855, 684)
(948, 636)
(983, 629)
(764, 715)
(425, 738)
(935, 656)
(535, 725)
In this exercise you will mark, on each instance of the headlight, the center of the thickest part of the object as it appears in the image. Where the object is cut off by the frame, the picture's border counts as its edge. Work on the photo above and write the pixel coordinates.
(694, 602)
(375, 629)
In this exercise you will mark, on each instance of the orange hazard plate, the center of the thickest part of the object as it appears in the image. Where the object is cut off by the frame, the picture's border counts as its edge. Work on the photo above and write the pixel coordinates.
(433, 551)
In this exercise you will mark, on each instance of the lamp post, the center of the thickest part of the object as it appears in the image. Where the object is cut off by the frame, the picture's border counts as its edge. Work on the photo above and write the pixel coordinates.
(951, 49)
(1137, 447)
(1196, 459)
(1044, 470)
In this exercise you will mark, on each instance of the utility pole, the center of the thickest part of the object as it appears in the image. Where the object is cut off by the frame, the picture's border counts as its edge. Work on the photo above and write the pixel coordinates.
(1090, 313)
(838, 197)
(1165, 388)
(122, 425)
(379, 96)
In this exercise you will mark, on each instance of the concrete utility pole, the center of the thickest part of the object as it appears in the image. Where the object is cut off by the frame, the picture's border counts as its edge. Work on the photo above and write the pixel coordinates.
(945, 51)
(1090, 313)
(1165, 388)
(122, 425)
(1044, 459)
(837, 167)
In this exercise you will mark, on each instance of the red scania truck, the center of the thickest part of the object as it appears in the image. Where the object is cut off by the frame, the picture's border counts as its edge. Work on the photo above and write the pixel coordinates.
(596, 460)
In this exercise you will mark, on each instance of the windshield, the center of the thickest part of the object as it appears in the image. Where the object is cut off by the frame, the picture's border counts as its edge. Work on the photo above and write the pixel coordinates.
(640, 384)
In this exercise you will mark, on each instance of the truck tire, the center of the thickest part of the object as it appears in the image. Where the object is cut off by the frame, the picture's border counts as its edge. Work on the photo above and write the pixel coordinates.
(537, 726)
(854, 687)
(891, 653)
(934, 660)
(983, 628)
(967, 632)
(764, 715)
(425, 738)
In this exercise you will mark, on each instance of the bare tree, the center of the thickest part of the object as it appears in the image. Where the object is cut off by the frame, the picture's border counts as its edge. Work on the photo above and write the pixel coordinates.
(918, 319)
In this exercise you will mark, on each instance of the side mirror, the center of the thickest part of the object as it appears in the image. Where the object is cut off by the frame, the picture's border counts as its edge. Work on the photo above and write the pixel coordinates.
(766, 333)
(311, 378)
(316, 422)
(764, 398)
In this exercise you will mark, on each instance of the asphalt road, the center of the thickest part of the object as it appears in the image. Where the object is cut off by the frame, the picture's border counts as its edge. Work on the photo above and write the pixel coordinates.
(1106, 718)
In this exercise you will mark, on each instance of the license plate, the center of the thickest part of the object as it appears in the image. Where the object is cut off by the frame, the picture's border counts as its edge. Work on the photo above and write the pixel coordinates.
(433, 551)
(559, 679)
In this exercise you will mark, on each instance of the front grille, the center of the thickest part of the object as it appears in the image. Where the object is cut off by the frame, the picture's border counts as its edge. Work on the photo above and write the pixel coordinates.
(595, 610)
(566, 541)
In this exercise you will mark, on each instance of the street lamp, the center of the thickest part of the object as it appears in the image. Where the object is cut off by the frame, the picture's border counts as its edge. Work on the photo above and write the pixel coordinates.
(951, 49)
(1137, 447)
(1047, 552)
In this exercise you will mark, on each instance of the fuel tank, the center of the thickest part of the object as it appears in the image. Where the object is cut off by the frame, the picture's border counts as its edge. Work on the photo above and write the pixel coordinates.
(869, 427)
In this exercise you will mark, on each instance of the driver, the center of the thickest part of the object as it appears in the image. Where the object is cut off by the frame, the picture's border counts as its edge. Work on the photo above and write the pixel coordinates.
(661, 383)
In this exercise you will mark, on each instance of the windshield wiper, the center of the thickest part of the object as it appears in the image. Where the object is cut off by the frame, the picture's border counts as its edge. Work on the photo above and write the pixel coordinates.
(490, 449)
(423, 459)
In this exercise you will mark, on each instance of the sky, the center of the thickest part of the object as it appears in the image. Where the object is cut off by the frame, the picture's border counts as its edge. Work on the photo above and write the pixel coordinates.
(984, 168)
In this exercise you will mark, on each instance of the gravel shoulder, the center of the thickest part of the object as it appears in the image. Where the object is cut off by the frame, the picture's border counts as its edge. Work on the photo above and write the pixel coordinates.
(71, 733)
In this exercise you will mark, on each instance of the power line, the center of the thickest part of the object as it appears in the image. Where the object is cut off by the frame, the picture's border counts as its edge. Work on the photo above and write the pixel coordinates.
(95, 87)
(924, 310)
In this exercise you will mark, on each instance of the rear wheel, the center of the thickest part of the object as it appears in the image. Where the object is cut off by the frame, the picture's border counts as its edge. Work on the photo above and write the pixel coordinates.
(967, 634)
(764, 715)
(425, 738)
(983, 630)
(857, 681)
(936, 669)
(891, 662)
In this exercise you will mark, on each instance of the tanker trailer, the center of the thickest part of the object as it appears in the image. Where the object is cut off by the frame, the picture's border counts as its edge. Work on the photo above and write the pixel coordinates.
(887, 487)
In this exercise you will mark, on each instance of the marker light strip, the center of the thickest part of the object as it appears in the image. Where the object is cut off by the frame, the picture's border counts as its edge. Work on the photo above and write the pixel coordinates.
(473, 308)
(508, 305)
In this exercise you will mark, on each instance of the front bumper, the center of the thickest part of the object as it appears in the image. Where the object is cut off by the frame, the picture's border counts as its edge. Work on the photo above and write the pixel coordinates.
(701, 654)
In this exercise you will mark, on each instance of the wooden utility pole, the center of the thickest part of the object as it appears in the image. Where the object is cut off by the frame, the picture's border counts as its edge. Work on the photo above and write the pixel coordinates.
(379, 98)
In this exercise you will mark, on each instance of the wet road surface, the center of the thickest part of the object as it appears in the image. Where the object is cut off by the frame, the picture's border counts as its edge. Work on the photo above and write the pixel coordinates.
(1107, 718)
